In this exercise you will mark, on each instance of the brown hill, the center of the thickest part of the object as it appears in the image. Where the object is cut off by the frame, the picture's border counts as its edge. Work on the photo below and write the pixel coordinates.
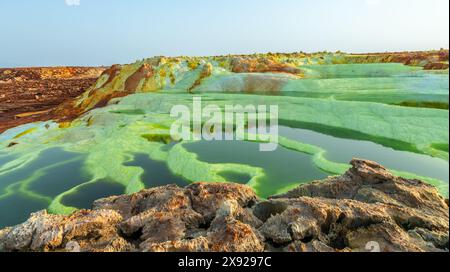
(27, 94)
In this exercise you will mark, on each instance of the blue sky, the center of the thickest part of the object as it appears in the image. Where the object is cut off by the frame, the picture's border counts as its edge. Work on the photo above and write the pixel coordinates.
(103, 32)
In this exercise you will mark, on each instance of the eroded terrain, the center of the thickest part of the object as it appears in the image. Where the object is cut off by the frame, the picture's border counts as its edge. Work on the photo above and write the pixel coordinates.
(115, 137)
(28, 94)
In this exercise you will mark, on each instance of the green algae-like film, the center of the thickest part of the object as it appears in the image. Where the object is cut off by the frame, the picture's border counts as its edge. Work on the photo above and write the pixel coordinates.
(329, 113)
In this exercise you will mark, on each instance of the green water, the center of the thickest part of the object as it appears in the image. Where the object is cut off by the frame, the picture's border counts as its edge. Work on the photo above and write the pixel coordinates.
(50, 166)
(86, 194)
(235, 177)
(344, 150)
(16, 208)
(282, 167)
(32, 186)
(343, 133)
(157, 173)
(59, 179)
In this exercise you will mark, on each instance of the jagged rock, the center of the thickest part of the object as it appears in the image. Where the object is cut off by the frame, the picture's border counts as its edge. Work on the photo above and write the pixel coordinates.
(367, 209)
(366, 205)
(144, 72)
(91, 230)
(314, 246)
(155, 215)
(3, 233)
(267, 209)
(163, 218)
(349, 224)
(207, 198)
(200, 244)
(370, 182)
(226, 234)
(261, 65)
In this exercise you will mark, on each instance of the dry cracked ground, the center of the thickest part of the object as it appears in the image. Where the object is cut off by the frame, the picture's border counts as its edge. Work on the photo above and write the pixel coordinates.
(365, 209)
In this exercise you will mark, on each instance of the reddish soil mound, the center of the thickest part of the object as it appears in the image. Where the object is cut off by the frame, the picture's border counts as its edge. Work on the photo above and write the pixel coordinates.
(28, 94)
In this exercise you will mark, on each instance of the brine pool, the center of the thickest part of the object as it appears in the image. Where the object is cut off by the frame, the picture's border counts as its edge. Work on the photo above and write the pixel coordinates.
(344, 150)
(32, 186)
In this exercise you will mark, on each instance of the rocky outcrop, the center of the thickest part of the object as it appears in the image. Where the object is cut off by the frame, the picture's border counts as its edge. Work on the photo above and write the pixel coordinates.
(429, 60)
(261, 65)
(367, 209)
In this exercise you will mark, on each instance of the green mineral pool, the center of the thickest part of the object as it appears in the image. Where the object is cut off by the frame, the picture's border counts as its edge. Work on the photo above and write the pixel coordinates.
(43, 175)
(344, 150)
(34, 184)
(156, 173)
(86, 194)
(16, 208)
(30, 187)
(282, 167)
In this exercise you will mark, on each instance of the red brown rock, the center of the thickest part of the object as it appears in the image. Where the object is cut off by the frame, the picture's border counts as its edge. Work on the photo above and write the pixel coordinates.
(261, 65)
(28, 94)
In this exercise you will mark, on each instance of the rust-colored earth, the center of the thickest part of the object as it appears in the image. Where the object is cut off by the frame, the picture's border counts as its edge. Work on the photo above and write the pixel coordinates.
(29, 94)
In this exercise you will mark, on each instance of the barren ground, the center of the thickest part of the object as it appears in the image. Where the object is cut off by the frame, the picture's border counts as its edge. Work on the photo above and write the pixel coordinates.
(28, 94)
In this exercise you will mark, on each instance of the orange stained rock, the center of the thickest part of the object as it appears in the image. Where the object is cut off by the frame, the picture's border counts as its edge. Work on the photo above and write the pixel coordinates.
(64, 124)
(144, 72)
(261, 65)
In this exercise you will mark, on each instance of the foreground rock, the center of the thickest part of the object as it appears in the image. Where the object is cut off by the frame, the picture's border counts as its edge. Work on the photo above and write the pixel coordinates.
(367, 209)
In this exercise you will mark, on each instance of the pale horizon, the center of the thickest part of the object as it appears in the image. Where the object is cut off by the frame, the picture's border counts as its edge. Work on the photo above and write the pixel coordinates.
(95, 33)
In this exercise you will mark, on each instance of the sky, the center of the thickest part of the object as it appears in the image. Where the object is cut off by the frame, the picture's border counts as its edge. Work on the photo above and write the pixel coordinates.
(104, 32)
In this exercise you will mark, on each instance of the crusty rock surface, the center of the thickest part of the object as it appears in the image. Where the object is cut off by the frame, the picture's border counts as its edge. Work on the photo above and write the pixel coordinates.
(367, 209)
